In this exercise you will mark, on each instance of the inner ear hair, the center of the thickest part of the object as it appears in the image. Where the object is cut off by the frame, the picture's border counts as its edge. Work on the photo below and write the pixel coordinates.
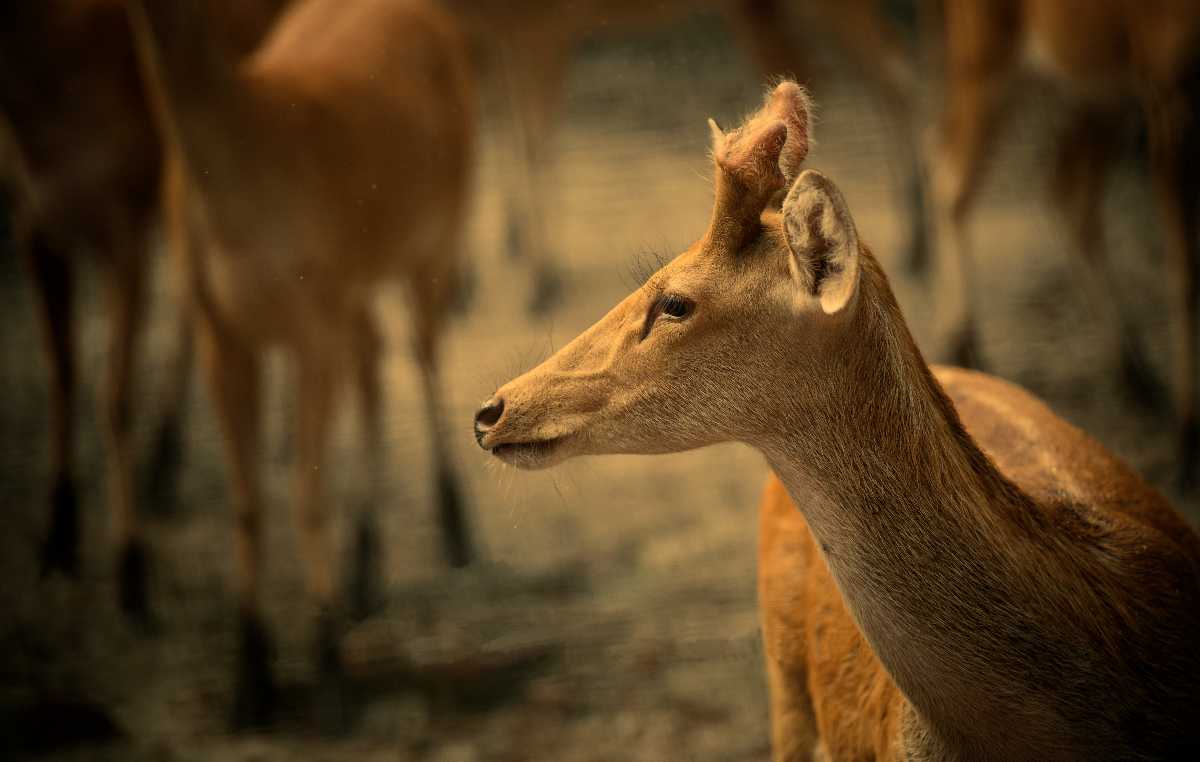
(822, 238)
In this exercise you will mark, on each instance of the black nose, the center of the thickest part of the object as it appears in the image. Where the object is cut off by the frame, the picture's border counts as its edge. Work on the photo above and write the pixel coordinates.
(487, 416)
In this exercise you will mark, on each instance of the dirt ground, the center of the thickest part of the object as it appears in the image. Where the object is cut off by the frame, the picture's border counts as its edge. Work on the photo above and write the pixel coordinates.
(613, 615)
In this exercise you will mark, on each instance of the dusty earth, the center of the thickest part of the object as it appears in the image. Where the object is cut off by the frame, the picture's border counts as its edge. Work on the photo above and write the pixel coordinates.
(613, 615)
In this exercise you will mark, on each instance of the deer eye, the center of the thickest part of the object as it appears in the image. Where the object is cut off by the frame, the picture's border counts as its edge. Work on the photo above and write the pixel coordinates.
(670, 305)
(675, 306)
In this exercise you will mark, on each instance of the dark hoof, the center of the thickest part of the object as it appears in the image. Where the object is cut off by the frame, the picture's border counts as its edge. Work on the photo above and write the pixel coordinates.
(133, 570)
(1189, 457)
(332, 697)
(60, 551)
(162, 483)
(363, 596)
(255, 695)
(547, 289)
(1140, 384)
(964, 349)
(456, 540)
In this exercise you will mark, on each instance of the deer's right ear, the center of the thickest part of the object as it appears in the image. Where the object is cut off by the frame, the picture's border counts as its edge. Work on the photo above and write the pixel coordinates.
(822, 239)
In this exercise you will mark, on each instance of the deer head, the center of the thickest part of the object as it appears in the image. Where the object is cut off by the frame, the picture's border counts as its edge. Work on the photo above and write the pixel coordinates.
(700, 353)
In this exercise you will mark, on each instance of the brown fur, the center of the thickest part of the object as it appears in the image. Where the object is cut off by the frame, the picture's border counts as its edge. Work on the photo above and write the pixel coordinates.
(1003, 591)
(82, 172)
(826, 683)
(334, 159)
(1109, 58)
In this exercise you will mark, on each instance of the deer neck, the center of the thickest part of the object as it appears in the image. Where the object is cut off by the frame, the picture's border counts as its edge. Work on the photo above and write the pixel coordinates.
(915, 523)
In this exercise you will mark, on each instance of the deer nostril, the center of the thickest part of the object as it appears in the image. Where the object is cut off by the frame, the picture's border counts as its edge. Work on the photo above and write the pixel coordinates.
(489, 413)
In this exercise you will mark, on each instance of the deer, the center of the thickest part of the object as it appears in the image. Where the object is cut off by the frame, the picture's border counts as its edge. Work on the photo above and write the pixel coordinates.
(333, 160)
(527, 46)
(947, 570)
(81, 170)
(1110, 60)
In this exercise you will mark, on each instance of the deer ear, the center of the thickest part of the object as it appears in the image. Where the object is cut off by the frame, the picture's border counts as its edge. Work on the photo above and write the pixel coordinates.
(823, 242)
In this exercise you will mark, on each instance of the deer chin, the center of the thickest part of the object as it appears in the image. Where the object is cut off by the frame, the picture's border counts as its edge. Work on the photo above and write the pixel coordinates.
(532, 455)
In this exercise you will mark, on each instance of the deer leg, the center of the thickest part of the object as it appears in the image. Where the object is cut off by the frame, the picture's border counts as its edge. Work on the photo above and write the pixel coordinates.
(53, 285)
(1085, 148)
(875, 48)
(1174, 148)
(234, 380)
(126, 289)
(516, 170)
(364, 593)
(534, 71)
(313, 418)
(429, 297)
(972, 112)
(166, 457)
(318, 384)
(167, 454)
(794, 735)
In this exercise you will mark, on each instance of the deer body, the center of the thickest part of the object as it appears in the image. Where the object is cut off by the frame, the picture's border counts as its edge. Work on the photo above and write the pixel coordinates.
(1110, 59)
(1004, 591)
(322, 238)
(334, 159)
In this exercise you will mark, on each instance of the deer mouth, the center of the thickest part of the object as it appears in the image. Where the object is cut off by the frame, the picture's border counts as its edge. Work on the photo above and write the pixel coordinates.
(532, 454)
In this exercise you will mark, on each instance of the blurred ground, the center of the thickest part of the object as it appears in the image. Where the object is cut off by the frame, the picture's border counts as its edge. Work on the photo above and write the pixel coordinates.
(614, 616)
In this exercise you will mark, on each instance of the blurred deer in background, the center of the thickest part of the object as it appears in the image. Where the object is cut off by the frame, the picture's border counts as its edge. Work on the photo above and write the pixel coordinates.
(82, 172)
(1005, 590)
(1111, 58)
(529, 44)
(335, 158)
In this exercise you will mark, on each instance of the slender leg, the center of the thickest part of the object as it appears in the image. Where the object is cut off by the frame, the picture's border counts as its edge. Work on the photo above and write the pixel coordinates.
(166, 457)
(793, 725)
(516, 170)
(126, 289)
(53, 283)
(314, 413)
(976, 80)
(874, 46)
(534, 69)
(234, 380)
(1085, 148)
(318, 385)
(429, 298)
(364, 592)
(785, 550)
(1175, 148)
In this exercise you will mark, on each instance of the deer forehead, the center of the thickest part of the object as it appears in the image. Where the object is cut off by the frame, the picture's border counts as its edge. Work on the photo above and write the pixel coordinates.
(713, 270)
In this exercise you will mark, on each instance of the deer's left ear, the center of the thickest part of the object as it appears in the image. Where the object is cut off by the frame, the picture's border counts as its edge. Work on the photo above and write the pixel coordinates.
(823, 242)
